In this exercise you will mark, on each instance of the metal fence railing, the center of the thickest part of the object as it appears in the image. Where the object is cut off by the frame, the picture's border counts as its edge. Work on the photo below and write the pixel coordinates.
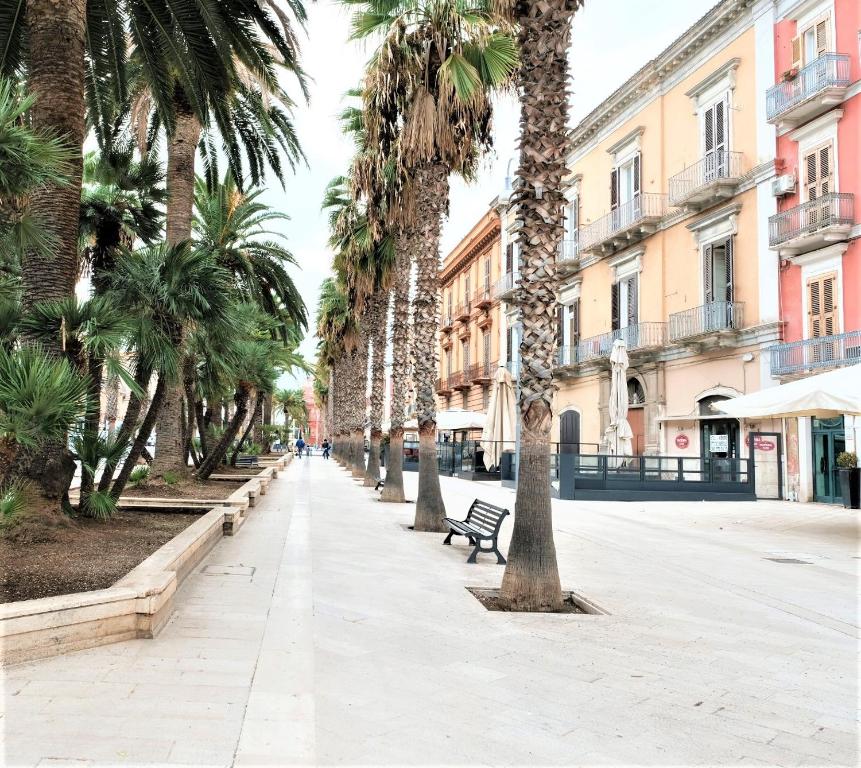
(813, 354)
(834, 208)
(506, 285)
(709, 318)
(638, 336)
(713, 167)
(569, 251)
(830, 70)
(646, 205)
(463, 310)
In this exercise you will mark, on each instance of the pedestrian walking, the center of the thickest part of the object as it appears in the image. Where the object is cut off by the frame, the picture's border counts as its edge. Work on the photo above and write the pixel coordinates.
(325, 448)
(300, 444)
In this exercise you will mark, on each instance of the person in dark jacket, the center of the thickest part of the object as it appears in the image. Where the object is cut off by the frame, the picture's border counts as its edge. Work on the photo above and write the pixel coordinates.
(300, 444)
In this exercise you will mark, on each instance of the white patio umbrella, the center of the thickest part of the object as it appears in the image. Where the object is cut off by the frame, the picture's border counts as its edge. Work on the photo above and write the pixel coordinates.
(618, 437)
(501, 422)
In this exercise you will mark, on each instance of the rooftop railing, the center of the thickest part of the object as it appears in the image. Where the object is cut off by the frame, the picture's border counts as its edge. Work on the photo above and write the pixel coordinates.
(830, 70)
(834, 208)
(710, 318)
(712, 168)
(647, 205)
(813, 354)
(636, 337)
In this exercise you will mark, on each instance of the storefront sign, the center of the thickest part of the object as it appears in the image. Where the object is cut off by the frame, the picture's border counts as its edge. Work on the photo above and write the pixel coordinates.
(760, 443)
(719, 443)
(682, 441)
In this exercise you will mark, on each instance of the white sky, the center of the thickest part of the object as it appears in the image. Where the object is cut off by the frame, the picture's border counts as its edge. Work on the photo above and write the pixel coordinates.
(611, 40)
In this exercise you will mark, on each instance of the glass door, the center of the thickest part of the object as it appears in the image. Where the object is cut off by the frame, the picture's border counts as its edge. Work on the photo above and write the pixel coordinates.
(829, 440)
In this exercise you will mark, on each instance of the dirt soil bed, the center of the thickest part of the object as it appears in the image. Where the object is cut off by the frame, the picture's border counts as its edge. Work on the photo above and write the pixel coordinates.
(185, 489)
(87, 555)
(227, 470)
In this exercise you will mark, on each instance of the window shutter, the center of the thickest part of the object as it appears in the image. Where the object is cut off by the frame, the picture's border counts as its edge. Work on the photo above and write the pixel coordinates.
(822, 36)
(485, 342)
(465, 352)
(509, 342)
(829, 305)
(824, 169)
(823, 317)
(720, 127)
(614, 189)
(632, 300)
(614, 307)
(796, 52)
(560, 325)
(636, 174)
(509, 258)
(709, 129)
(574, 327)
(487, 274)
(812, 170)
(708, 287)
(729, 267)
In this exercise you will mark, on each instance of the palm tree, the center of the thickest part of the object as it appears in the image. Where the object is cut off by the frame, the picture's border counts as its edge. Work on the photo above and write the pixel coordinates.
(438, 65)
(531, 580)
(291, 403)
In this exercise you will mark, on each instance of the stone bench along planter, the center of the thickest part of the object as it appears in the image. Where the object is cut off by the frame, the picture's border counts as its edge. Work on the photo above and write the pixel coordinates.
(136, 606)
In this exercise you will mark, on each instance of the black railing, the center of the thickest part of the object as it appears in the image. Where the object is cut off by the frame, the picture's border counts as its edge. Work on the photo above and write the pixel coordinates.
(647, 205)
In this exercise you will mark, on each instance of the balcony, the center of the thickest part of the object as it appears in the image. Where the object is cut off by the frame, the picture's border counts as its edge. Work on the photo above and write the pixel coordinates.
(458, 381)
(447, 321)
(810, 355)
(483, 298)
(463, 311)
(566, 356)
(639, 339)
(568, 259)
(506, 286)
(513, 367)
(624, 226)
(442, 386)
(813, 224)
(814, 90)
(716, 319)
(712, 179)
(482, 373)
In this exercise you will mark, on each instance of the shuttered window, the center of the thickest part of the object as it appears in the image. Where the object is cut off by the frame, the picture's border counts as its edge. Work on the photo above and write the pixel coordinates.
(812, 42)
(574, 324)
(631, 291)
(509, 345)
(465, 352)
(718, 271)
(487, 273)
(623, 303)
(817, 172)
(614, 189)
(615, 291)
(822, 306)
(466, 296)
(485, 345)
(560, 325)
(509, 258)
(715, 141)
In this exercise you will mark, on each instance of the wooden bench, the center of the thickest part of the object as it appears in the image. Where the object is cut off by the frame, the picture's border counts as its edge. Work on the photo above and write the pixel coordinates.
(246, 461)
(380, 484)
(482, 523)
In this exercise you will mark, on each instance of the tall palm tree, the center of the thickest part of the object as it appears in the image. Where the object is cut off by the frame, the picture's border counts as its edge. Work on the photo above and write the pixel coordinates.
(438, 64)
(531, 579)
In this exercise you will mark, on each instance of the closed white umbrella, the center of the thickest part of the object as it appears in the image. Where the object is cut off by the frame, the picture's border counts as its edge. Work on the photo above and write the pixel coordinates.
(500, 424)
(825, 395)
(618, 437)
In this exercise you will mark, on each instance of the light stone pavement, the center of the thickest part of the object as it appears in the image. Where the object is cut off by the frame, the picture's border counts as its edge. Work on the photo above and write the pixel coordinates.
(354, 641)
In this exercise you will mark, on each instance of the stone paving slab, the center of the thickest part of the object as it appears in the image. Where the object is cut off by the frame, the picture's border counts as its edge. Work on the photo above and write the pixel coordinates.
(355, 642)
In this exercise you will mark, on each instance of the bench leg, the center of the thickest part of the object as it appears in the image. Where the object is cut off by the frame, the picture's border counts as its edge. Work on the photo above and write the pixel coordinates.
(500, 560)
(471, 558)
(448, 538)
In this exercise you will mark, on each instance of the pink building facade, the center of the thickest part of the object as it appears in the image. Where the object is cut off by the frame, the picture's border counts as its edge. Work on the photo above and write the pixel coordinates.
(315, 434)
(815, 106)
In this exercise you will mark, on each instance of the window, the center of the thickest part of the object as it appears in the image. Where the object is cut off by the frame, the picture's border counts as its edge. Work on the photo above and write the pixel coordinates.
(817, 179)
(487, 273)
(560, 325)
(572, 218)
(450, 299)
(636, 396)
(466, 289)
(623, 303)
(465, 350)
(485, 345)
(718, 271)
(813, 41)
(509, 345)
(574, 323)
(485, 397)
(509, 258)
(715, 141)
(823, 319)
(625, 186)
(448, 361)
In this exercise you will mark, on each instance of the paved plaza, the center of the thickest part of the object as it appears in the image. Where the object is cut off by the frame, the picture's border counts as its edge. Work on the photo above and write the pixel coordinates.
(339, 637)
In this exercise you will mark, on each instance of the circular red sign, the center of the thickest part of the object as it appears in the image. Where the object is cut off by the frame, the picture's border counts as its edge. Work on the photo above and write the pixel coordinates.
(682, 441)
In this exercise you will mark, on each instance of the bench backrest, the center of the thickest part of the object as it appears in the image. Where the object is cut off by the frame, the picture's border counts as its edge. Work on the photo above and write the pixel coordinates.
(485, 515)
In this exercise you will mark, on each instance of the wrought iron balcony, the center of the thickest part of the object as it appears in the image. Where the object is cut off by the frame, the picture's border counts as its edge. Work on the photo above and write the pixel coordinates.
(713, 178)
(637, 338)
(506, 285)
(815, 89)
(625, 225)
(447, 321)
(566, 356)
(796, 357)
(442, 386)
(717, 317)
(459, 381)
(569, 254)
(482, 373)
(463, 311)
(809, 226)
(483, 298)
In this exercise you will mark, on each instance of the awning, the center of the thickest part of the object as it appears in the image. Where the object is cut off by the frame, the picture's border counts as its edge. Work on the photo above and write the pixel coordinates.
(451, 420)
(825, 395)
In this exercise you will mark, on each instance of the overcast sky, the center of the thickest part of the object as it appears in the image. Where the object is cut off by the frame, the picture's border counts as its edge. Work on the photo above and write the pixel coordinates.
(611, 40)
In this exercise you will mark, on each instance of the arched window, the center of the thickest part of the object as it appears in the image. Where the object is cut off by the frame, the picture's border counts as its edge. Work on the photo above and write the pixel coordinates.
(636, 395)
(707, 402)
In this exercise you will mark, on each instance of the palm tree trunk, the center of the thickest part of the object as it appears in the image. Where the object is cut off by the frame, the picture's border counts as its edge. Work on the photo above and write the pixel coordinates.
(257, 430)
(258, 402)
(219, 451)
(393, 490)
(360, 400)
(377, 322)
(330, 407)
(531, 579)
(56, 43)
(139, 444)
(170, 450)
(431, 204)
(91, 426)
(267, 421)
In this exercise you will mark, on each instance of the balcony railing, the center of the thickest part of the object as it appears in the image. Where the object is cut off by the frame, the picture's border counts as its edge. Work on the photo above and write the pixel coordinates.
(481, 373)
(483, 297)
(636, 337)
(566, 355)
(447, 320)
(513, 367)
(569, 252)
(442, 386)
(463, 311)
(506, 285)
(835, 209)
(705, 179)
(714, 317)
(830, 70)
(459, 380)
(813, 354)
(624, 225)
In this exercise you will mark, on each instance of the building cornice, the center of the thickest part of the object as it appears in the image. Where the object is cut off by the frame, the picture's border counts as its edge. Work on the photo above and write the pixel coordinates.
(450, 271)
(648, 79)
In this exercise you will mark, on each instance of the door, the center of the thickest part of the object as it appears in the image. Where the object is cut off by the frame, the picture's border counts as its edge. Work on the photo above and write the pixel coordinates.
(817, 185)
(765, 450)
(637, 422)
(720, 449)
(714, 143)
(822, 315)
(569, 432)
(829, 440)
